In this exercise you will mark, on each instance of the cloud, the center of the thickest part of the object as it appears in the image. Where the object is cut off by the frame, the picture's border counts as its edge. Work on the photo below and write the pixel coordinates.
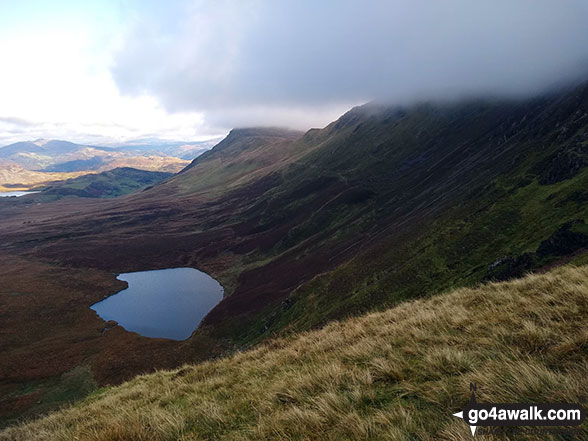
(14, 121)
(266, 62)
(55, 80)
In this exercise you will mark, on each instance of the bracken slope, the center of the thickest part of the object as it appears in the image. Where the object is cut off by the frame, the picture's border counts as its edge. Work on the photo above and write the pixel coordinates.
(393, 375)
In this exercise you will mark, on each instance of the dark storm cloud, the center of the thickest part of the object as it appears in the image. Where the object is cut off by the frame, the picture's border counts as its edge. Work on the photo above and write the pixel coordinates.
(247, 62)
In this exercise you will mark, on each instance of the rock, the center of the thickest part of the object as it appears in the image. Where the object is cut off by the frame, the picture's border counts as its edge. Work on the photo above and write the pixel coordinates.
(561, 166)
(564, 241)
(108, 326)
(508, 267)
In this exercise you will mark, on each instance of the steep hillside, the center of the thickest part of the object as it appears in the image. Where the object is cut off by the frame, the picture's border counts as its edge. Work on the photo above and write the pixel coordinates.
(394, 202)
(243, 156)
(393, 375)
(382, 206)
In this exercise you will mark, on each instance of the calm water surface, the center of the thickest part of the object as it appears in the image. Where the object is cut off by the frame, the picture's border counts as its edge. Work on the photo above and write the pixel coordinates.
(5, 194)
(167, 303)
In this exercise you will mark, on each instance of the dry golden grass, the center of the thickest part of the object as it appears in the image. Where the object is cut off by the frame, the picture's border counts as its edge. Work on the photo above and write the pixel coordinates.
(395, 375)
(30, 179)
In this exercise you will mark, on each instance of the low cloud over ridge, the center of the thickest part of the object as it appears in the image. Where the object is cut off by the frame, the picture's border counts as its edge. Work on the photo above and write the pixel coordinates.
(283, 59)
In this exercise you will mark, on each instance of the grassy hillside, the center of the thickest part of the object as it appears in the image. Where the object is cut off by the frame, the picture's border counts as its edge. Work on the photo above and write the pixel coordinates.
(109, 184)
(384, 205)
(393, 375)
(243, 156)
(392, 203)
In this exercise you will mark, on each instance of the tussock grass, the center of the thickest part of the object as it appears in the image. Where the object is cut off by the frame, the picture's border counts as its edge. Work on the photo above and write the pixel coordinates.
(394, 375)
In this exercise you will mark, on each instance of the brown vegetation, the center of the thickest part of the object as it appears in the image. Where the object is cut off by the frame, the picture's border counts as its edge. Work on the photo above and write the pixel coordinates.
(393, 375)
(379, 207)
(64, 256)
(48, 332)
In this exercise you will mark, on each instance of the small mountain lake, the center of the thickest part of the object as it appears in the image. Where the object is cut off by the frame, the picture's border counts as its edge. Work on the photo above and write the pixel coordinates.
(168, 303)
(7, 194)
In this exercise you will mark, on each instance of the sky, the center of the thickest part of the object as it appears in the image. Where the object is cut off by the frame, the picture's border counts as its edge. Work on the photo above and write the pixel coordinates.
(103, 71)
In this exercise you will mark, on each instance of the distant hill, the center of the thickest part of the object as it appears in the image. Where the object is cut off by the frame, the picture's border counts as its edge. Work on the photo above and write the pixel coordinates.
(108, 184)
(54, 156)
(93, 163)
(183, 150)
(40, 154)
(39, 146)
(14, 176)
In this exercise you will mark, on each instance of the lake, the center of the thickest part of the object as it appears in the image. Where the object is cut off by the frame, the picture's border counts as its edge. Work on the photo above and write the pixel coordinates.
(5, 194)
(168, 303)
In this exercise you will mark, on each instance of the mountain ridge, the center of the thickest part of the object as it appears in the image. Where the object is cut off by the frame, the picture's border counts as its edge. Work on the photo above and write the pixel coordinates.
(245, 136)
(58, 156)
(373, 210)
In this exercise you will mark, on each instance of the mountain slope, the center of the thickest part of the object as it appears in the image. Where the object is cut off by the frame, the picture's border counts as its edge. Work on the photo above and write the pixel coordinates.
(396, 202)
(394, 375)
(382, 206)
(108, 184)
(244, 155)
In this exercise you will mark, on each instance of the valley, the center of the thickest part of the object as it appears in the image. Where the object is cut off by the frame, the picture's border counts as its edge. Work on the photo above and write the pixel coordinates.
(293, 220)
(13, 177)
(383, 206)
(25, 165)
(396, 374)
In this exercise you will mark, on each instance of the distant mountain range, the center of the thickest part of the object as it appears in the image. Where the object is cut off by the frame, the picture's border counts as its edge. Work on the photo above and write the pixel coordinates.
(28, 163)
(177, 149)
